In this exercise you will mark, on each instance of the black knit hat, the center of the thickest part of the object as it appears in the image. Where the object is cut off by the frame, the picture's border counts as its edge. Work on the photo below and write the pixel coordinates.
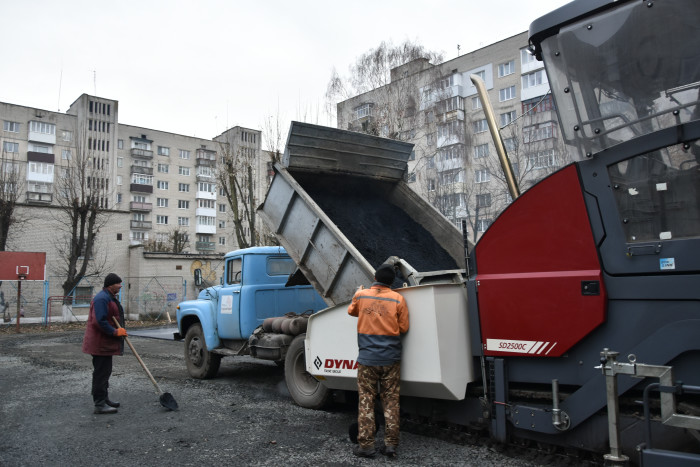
(112, 279)
(385, 274)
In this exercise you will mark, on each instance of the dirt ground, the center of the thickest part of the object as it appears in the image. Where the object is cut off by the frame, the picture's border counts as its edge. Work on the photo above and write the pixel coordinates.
(245, 416)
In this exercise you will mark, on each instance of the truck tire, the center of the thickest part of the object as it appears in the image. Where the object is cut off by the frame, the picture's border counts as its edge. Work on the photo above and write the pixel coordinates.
(307, 391)
(201, 363)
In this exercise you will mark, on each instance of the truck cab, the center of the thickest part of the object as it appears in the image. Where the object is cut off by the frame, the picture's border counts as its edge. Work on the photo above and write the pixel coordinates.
(222, 318)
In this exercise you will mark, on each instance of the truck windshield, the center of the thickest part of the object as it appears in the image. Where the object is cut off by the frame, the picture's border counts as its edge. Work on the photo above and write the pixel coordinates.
(625, 73)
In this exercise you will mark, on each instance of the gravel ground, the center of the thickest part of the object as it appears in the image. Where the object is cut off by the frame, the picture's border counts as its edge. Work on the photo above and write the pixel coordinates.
(245, 416)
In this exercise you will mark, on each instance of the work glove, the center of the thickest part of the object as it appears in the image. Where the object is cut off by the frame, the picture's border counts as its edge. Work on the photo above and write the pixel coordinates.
(120, 332)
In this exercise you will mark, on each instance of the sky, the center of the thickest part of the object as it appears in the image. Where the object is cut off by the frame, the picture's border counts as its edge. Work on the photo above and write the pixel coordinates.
(197, 68)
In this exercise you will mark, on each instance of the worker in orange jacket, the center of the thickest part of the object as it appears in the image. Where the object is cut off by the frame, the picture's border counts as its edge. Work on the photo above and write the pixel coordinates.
(382, 319)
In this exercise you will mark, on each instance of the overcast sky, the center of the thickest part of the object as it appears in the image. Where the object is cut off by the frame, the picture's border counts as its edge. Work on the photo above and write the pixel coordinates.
(198, 67)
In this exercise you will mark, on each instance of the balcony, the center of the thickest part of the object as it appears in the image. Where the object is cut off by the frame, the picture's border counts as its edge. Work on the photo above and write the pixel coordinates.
(202, 162)
(138, 169)
(145, 153)
(35, 197)
(205, 195)
(141, 224)
(134, 206)
(40, 157)
(205, 229)
(139, 188)
(205, 246)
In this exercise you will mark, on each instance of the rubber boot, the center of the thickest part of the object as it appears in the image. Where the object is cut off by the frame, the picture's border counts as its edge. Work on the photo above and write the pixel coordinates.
(101, 407)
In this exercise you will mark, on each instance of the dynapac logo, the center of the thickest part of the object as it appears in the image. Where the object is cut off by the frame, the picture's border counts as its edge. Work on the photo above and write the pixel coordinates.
(332, 365)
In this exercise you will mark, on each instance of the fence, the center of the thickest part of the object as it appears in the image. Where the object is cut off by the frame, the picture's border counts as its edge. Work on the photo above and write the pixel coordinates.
(150, 298)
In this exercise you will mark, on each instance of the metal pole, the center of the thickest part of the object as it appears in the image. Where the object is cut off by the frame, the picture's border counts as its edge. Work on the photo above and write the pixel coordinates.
(496, 136)
(19, 297)
(615, 457)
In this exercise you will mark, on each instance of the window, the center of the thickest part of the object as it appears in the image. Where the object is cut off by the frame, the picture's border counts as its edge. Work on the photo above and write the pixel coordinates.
(449, 177)
(183, 170)
(507, 118)
(453, 103)
(480, 126)
(7, 146)
(534, 79)
(183, 204)
(183, 187)
(222, 224)
(509, 144)
(183, 221)
(476, 103)
(42, 127)
(120, 180)
(537, 105)
(431, 162)
(526, 57)
(65, 154)
(205, 186)
(280, 266)
(142, 179)
(482, 225)
(542, 160)
(162, 220)
(206, 220)
(82, 296)
(162, 185)
(67, 135)
(234, 269)
(162, 202)
(483, 201)
(206, 203)
(482, 175)
(120, 144)
(482, 150)
(163, 151)
(506, 94)
(119, 198)
(449, 129)
(505, 69)
(41, 168)
(139, 217)
(39, 148)
(10, 126)
(139, 199)
(163, 168)
(431, 184)
(222, 240)
(539, 132)
(222, 207)
(184, 154)
(446, 82)
(120, 162)
(450, 153)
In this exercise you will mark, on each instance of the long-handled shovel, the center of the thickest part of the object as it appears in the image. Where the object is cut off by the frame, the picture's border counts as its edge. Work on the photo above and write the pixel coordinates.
(166, 399)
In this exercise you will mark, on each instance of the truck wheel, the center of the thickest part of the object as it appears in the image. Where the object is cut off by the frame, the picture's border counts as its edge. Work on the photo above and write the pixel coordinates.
(201, 363)
(306, 390)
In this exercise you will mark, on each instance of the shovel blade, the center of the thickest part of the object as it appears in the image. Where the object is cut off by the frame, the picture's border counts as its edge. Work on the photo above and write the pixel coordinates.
(168, 401)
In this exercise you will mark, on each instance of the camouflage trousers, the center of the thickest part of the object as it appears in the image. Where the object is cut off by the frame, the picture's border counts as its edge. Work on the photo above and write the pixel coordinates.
(387, 379)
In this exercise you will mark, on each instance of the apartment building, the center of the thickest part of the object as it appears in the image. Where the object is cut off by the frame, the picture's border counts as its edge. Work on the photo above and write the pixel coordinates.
(436, 107)
(159, 190)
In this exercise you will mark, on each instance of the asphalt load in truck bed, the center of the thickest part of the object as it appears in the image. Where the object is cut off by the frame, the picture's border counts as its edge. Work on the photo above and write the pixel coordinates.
(362, 209)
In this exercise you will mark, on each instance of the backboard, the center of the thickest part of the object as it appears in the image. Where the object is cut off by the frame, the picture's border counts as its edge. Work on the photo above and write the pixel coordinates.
(21, 265)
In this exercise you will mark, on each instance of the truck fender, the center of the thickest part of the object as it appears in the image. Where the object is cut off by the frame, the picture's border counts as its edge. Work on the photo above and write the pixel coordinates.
(199, 311)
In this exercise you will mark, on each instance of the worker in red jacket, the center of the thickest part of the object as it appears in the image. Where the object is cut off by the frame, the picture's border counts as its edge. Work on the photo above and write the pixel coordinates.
(103, 340)
(382, 319)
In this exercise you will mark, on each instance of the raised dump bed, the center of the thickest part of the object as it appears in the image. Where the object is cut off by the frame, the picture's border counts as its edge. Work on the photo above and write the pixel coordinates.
(340, 207)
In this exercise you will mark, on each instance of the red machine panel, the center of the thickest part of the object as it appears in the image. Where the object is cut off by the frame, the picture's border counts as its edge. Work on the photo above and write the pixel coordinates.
(540, 287)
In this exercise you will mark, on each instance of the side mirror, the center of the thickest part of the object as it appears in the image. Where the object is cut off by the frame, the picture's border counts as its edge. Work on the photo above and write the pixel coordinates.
(197, 277)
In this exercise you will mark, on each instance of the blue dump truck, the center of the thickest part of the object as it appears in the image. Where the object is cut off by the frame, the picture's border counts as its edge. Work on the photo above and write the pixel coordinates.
(253, 312)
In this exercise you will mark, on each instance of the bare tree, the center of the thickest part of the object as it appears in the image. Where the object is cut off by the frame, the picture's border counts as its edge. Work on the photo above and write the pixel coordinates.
(177, 241)
(82, 194)
(235, 176)
(11, 185)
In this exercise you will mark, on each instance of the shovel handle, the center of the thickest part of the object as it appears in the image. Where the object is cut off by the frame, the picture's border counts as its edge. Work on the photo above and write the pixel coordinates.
(143, 365)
